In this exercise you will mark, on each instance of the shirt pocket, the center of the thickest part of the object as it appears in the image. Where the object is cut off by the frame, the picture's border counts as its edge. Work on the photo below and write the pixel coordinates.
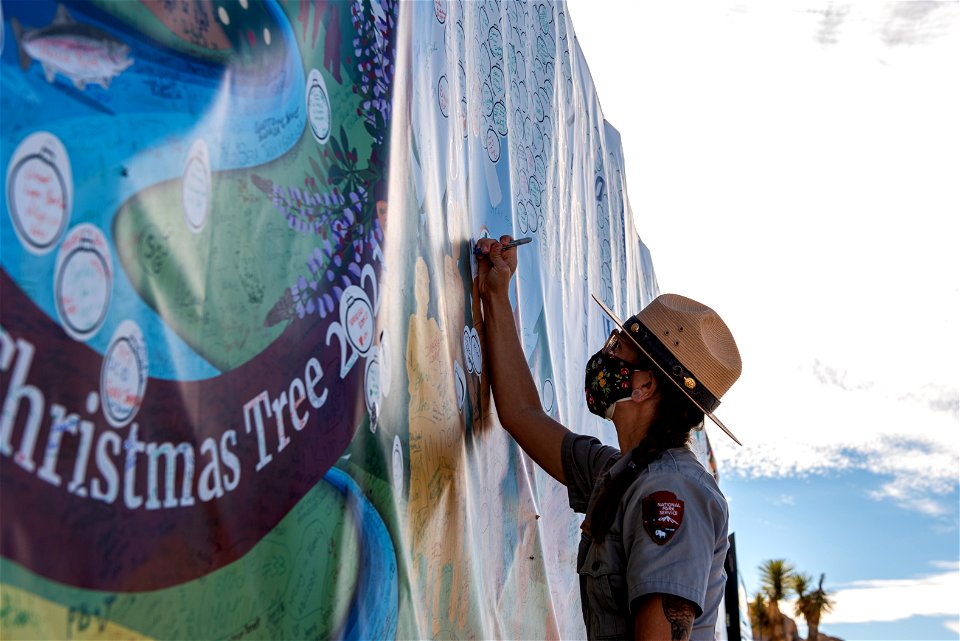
(605, 588)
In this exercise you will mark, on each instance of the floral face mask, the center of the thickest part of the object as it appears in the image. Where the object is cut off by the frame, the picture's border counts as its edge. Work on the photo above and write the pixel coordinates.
(607, 381)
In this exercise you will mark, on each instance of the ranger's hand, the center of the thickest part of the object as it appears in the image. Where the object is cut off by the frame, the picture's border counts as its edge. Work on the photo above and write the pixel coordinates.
(496, 266)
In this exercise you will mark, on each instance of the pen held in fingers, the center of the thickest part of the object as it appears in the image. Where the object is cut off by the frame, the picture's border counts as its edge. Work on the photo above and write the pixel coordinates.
(512, 243)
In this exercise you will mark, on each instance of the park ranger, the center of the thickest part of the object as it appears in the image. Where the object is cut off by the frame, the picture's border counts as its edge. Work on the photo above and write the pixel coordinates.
(655, 534)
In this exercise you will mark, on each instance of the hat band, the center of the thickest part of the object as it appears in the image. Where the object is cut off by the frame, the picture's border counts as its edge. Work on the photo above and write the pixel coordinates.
(673, 368)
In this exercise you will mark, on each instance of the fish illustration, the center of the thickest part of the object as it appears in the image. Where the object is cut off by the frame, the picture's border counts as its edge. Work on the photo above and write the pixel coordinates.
(81, 52)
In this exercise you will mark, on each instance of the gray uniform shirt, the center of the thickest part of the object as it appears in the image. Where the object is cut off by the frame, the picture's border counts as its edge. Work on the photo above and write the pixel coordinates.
(669, 537)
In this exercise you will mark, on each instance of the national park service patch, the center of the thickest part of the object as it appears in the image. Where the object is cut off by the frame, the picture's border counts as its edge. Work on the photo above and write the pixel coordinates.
(662, 516)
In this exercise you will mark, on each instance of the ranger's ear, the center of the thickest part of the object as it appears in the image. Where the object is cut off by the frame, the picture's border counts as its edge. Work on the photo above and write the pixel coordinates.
(644, 385)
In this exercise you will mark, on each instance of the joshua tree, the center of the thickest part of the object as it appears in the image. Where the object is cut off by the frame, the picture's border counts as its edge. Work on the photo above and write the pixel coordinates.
(775, 576)
(811, 603)
(801, 584)
(759, 616)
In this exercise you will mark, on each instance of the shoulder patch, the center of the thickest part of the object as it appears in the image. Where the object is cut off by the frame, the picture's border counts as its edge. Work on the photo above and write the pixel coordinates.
(662, 516)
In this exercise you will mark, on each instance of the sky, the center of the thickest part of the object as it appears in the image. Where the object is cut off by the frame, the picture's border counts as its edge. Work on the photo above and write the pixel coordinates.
(796, 167)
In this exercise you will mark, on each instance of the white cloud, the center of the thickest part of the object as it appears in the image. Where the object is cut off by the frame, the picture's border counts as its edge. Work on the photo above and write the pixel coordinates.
(913, 446)
(934, 595)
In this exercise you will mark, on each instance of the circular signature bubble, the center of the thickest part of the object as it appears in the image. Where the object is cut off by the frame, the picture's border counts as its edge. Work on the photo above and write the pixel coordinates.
(486, 99)
(522, 186)
(443, 96)
(467, 351)
(600, 187)
(523, 100)
(39, 191)
(495, 41)
(475, 348)
(483, 61)
(539, 69)
(499, 117)
(546, 98)
(397, 466)
(358, 321)
(545, 17)
(551, 46)
(123, 375)
(195, 187)
(460, 384)
(537, 145)
(318, 106)
(522, 217)
(549, 396)
(496, 81)
(538, 109)
(547, 141)
(483, 20)
(542, 51)
(371, 389)
(493, 145)
(533, 216)
(461, 39)
(83, 281)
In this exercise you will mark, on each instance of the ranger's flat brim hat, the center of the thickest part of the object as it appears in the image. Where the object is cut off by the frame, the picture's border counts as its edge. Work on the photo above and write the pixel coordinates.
(690, 344)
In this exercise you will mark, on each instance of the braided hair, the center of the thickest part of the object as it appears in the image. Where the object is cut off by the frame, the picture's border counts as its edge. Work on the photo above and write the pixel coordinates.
(675, 416)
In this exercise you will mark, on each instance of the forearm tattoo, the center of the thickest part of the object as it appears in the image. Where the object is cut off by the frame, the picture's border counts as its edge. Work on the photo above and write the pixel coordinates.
(679, 613)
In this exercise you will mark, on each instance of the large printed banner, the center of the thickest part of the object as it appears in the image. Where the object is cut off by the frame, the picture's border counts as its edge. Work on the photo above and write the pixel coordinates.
(241, 348)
